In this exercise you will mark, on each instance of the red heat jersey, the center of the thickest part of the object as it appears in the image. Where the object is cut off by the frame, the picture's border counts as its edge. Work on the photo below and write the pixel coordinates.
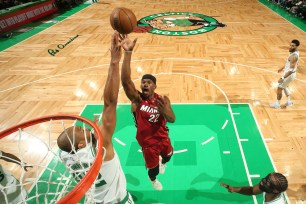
(151, 125)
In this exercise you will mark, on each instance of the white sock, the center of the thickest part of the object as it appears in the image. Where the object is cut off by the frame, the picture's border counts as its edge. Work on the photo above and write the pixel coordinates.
(278, 102)
(289, 99)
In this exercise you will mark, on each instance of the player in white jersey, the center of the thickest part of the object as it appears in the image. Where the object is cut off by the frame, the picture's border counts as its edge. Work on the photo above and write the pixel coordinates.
(272, 188)
(10, 189)
(110, 184)
(288, 75)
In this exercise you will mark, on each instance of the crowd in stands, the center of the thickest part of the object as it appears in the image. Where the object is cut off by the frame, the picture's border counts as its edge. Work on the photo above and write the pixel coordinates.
(4, 4)
(67, 4)
(62, 4)
(296, 7)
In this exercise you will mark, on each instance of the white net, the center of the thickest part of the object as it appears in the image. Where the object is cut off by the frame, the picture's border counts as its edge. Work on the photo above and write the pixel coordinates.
(41, 175)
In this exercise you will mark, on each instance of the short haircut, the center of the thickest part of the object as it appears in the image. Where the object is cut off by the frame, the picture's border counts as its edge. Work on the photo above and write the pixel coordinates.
(296, 42)
(273, 183)
(149, 76)
(66, 140)
(282, 183)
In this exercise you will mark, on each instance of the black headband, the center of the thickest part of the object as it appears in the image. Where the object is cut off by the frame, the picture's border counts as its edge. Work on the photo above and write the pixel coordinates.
(149, 76)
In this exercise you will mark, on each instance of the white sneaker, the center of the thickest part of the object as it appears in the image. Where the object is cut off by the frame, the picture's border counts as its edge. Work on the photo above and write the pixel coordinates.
(157, 185)
(162, 167)
(274, 105)
(289, 103)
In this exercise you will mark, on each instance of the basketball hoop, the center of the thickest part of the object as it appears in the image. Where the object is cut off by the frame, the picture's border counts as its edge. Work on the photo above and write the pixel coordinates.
(86, 182)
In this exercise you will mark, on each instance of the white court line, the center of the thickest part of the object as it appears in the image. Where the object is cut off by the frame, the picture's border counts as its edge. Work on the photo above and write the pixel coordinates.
(229, 108)
(236, 113)
(101, 104)
(265, 144)
(224, 125)
(144, 60)
(67, 18)
(244, 140)
(255, 176)
(120, 142)
(180, 151)
(205, 142)
(268, 139)
(267, 8)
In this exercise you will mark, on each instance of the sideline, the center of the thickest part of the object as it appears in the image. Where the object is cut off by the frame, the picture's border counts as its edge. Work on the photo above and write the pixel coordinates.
(301, 24)
(30, 29)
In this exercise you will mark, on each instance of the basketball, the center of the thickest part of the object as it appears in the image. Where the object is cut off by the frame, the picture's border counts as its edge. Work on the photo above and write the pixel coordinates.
(123, 20)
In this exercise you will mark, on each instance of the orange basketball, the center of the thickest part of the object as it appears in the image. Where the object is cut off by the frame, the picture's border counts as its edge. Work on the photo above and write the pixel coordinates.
(123, 20)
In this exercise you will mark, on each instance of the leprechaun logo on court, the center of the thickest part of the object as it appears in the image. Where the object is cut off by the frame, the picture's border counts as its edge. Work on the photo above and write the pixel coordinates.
(177, 24)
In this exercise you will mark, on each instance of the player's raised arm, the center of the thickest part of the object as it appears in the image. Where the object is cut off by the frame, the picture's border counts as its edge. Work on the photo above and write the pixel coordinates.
(111, 90)
(127, 83)
(246, 190)
(14, 159)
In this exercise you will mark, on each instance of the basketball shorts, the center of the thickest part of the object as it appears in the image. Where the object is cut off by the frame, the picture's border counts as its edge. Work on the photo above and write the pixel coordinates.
(287, 81)
(151, 153)
(127, 199)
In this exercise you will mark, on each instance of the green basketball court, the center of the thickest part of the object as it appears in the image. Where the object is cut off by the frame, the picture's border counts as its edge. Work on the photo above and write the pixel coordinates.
(211, 146)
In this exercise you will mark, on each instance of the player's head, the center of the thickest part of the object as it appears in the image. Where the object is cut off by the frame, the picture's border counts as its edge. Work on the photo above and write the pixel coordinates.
(294, 45)
(148, 85)
(76, 137)
(274, 183)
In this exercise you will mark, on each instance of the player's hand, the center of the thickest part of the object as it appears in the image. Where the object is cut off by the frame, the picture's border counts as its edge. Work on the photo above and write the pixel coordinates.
(228, 187)
(126, 43)
(96, 119)
(280, 81)
(162, 104)
(115, 48)
(279, 70)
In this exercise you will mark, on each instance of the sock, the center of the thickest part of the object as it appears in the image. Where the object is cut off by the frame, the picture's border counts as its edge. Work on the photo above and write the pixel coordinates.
(278, 102)
(289, 99)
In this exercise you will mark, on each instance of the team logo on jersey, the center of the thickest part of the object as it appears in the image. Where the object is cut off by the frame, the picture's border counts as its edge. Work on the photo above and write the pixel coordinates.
(177, 24)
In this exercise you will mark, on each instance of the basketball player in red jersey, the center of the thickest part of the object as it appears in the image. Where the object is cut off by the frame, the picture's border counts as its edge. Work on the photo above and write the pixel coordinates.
(152, 112)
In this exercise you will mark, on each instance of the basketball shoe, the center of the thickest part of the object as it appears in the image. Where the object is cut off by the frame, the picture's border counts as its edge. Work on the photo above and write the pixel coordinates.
(157, 185)
(289, 103)
(275, 105)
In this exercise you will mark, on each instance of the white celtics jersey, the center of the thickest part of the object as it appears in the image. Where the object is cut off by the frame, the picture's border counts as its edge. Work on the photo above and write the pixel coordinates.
(10, 189)
(287, 65)
(109, 186)
(279, 200)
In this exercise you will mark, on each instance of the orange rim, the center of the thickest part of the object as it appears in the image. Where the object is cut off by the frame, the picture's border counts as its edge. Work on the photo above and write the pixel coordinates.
(82, 187)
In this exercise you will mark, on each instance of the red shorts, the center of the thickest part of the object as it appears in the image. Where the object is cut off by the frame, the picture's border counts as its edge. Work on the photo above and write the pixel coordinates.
(151, 153)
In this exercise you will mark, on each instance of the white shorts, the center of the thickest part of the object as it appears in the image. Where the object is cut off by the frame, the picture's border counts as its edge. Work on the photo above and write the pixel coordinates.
(127, 200)
(287, 81)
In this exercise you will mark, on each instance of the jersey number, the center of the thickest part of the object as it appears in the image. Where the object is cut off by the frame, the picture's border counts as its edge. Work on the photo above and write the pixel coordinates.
(154, 118)
(99, 181)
